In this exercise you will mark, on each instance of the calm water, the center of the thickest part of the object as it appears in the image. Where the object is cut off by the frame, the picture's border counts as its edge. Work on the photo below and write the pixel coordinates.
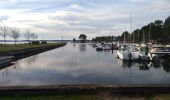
(81, 64)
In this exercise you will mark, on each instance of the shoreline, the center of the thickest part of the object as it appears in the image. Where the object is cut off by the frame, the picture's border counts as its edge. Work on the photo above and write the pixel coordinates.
(78, 89)
(13, 55)
(85, 89)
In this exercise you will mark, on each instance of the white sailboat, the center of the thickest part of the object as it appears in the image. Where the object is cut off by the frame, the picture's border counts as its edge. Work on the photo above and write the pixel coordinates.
(106, 46)
(143, 52)
(99, 47)
(128, 52)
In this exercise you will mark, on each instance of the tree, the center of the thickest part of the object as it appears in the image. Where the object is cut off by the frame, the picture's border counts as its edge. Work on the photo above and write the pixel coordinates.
(34, 36)
(15, 34)
(157, 31)
(166, 30)
(82, 37)
(27, 34)
(125, 36)
(74, 40)
(4, 32)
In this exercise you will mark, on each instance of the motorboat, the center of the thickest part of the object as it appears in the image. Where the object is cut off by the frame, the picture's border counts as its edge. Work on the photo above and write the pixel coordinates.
(158, 51)
(99, 47)
(113, 46)
(94, 45)
(128, 52)
(106, 47)
(143, 51)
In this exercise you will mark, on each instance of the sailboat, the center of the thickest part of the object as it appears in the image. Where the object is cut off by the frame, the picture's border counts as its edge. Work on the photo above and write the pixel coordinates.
(128, 51)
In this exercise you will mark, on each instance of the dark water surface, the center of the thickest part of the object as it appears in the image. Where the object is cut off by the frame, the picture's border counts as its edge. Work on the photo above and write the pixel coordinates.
(81, 64)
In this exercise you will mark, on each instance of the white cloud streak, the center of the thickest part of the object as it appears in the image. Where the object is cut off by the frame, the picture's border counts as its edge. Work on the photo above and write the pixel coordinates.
(70, 18)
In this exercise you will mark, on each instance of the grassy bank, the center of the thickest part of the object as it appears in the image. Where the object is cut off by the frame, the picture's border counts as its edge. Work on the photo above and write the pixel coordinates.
(88, 97)
(11, 47)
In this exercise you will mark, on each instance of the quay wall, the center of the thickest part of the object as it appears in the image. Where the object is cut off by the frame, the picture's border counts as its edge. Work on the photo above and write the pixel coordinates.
(21, 53)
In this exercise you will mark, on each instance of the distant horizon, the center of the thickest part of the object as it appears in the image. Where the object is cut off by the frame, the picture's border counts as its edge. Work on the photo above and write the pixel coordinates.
(52, 19)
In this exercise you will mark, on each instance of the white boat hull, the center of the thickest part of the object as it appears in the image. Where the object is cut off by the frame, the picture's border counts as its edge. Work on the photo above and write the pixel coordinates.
(124, 55)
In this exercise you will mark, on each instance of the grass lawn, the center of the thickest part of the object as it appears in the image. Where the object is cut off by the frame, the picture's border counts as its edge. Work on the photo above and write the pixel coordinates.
(87, 97)
(9, 47)
(52, 97)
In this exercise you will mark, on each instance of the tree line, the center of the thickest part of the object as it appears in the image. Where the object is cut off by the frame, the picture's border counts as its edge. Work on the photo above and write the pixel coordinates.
(16, 33)
(104, 39)
(157, 31)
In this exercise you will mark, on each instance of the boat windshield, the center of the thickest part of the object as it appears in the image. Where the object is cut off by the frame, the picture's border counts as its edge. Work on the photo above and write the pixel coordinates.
(129, 48)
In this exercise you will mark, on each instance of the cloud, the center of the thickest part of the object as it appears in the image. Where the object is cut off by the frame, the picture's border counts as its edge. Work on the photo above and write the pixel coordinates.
(7, 0)
(75, 6)
(53, 17)
(139, 1)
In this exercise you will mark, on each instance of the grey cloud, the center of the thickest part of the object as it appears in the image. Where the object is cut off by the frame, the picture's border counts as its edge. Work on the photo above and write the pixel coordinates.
(70, 16)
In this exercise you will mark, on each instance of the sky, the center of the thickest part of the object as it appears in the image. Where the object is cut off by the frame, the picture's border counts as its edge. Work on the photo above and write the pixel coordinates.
(54, 19)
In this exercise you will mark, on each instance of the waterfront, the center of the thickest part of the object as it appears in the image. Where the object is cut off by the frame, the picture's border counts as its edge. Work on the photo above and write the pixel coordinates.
(82, 64)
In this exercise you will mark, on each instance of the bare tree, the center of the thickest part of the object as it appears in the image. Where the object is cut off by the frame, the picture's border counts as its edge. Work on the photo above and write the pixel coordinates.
(34, 36)
(27, 34)
(4, 32)
(15, 34)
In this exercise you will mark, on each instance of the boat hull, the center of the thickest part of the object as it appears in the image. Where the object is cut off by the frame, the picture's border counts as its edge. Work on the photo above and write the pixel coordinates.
(126, 56)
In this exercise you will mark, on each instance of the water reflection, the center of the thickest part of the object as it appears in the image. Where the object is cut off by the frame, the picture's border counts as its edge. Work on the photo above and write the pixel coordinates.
(166, 65)
(17, 65)
(31, 59)
(82, 47)
(81, 64)
(74, 45)
(146, 65)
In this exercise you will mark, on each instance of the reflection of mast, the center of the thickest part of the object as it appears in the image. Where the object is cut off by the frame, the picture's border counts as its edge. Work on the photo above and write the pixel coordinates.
(124, 35)
(5, 72)
(62, 48)
(130, 75)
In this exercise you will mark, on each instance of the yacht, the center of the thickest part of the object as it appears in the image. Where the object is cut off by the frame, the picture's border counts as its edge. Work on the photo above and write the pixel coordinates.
(128, 52)
(157, 51)
(99, 47)
(143, 51)
(106, 47)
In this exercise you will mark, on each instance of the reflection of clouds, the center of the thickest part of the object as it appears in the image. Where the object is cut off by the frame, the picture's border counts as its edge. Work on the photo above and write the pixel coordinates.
(72, 66)
(75, 68)
(82, 47)
(31, 59)
(74, 45)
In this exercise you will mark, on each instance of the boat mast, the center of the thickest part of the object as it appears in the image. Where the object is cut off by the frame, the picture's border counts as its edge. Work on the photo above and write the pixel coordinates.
(138, 36)
(143, 36)
(130, 27)
(149, 32)
(124, 40)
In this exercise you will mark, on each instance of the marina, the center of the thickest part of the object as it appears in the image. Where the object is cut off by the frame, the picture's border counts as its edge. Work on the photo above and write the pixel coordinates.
(85, 49)
(84, 65)
(132, 52)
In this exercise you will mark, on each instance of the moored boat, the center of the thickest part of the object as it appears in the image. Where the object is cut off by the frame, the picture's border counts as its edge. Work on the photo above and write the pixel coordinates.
(128, 52)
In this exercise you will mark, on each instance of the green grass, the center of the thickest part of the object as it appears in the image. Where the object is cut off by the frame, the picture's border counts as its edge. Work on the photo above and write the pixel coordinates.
(50, 97)
(10, 47)
(88, 97)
